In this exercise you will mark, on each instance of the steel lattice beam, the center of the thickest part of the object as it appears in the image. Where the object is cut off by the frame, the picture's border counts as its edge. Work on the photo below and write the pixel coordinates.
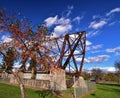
(69, 51)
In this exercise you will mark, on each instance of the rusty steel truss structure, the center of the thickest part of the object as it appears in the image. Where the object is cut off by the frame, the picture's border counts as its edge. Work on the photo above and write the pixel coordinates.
(68, 52)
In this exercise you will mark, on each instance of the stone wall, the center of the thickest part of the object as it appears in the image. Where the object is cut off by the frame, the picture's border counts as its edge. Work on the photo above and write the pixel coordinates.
(58, 79)
(39, 84)
(52, 81)
(39, 76)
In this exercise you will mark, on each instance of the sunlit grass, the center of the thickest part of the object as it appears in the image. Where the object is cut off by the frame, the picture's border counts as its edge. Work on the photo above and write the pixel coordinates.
(105, 91)
(8, 91)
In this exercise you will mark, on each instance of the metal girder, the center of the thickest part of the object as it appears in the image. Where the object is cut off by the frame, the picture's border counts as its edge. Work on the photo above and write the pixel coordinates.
(68, 52)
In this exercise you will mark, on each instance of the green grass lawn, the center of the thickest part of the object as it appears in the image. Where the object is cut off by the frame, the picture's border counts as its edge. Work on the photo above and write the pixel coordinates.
(105, 91)
(8, 91)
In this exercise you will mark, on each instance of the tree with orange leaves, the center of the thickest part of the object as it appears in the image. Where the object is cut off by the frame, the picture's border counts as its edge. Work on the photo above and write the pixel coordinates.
(27, 43)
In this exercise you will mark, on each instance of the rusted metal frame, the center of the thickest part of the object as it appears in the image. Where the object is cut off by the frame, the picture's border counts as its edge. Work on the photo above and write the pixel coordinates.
(66, 62)
(59, 62)
(2, 53)
(57, 44)
(72, 74)
(83, 56)
(72, 55)
(72, 42)
(71, 45)
(71, 66)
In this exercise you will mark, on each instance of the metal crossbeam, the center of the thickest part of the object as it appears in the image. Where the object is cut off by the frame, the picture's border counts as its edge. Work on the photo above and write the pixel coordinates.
(69, 51)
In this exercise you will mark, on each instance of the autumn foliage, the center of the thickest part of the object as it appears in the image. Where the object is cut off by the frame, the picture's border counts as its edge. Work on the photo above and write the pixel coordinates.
(28, 41)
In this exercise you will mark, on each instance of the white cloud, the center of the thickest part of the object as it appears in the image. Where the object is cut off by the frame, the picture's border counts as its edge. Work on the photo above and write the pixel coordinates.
(78, 19)
(62, 25)
(67, 12)
(92, 33)
(51, 21)
(96, 25)
(97, 59)
(94, 49)
(96, 16)
(61, 29)
(109, 69)
(96, 46)
(113, 11)
(6, 39)
(111, 24)
(113, 49)
(105, 69)
(76, 52)
(88, 43)
(63, 21)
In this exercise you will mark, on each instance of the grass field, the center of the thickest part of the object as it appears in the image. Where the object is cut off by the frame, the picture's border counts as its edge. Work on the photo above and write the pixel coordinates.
(8, 91)
(105, 91)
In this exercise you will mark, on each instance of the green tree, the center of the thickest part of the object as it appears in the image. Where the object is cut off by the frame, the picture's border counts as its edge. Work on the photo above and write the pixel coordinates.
(96, 73)
(86, 75)
(8, 59)
(117, 66)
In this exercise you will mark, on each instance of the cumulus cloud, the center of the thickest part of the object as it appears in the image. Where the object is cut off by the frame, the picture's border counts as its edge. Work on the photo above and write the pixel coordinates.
(88, 43)
(113, 49)
(97, 59)
(61, 29)
(6, 39)
(96, 25)
(62, 25)
(108, 69)
(63, 21)
(51, 21)
(113, 11)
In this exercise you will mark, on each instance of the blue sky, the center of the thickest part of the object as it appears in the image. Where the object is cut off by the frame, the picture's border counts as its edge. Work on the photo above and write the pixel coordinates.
(99, 18)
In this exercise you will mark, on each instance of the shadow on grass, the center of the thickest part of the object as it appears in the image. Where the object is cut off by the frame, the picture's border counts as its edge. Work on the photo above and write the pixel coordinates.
(47, 94)
(94, 95)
